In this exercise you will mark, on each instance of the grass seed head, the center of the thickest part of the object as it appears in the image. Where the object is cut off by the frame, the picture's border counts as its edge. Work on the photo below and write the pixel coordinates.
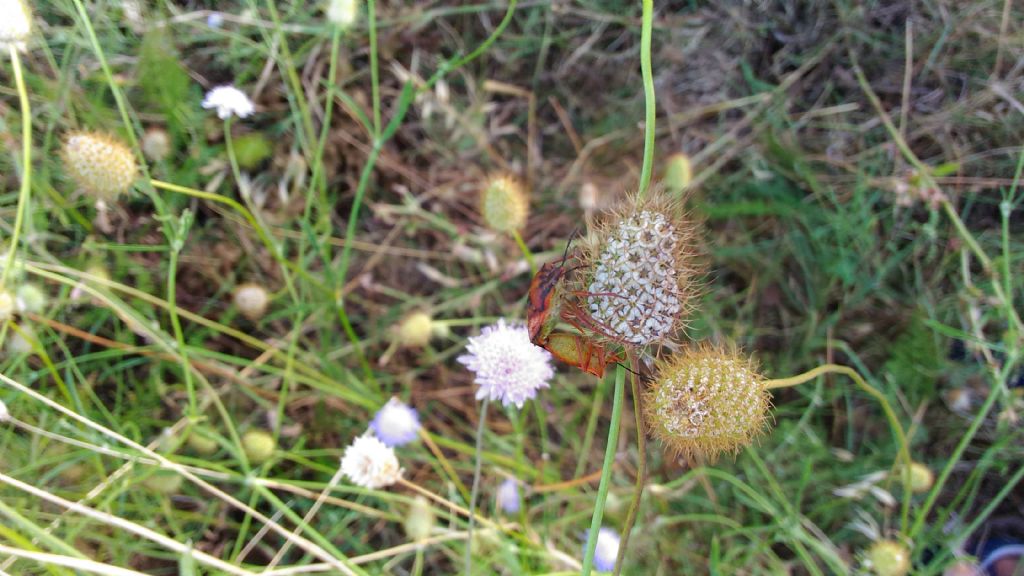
(101, 166)
(259, 446)
(706, 401)
(504, 204)
(888, 558)
(15, 24)
(640, 272)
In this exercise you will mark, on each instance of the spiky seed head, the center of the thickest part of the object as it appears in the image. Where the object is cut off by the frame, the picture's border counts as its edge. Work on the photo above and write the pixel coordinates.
(420, 519)
(342, 13)
(15, 24)
(640, 271)
(504, 204)
(259, 446)
(415, 330)
(101, 166)
(888, 558)
(252, 300)
(678, 172)
(921, 478)
(156, 144)
(706, 401)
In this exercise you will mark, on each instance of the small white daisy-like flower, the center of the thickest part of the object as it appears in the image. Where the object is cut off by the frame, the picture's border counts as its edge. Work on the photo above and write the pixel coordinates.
(606, 550)
(396, 423)
(508, 496)
(507, 365)
(15, 24)
(370, 463)
(229, 101)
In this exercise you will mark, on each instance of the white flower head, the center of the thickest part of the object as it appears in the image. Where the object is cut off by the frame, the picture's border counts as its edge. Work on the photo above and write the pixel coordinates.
(15, 24)
(370, 463)
(606, 550)
(343, 13)
(396, 423)
(507, 365)
(229, 101)
(508, 496)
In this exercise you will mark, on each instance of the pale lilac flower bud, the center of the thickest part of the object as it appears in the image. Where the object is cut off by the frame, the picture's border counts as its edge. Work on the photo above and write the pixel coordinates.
(396, 423)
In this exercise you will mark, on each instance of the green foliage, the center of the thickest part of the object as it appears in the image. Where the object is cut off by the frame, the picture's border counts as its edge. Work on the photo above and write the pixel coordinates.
(915, 361)
(164, 82)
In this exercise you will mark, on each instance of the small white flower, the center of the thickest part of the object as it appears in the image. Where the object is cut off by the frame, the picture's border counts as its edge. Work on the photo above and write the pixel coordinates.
(343, 13)
(508, 496)
(370, 463)
(215, 20)
(229, 101)
(15, 24)
(607, 550)
(396, 423)
(507, 365)
(4, 414)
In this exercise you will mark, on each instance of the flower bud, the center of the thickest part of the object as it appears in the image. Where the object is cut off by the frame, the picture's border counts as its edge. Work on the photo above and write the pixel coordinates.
(705, 402)
(504, 204)
(259, 446)
(415, 330)
(678, 173)
(921, 478)
(99, 164)
(888, 558)
(252, 300)
(420, 520)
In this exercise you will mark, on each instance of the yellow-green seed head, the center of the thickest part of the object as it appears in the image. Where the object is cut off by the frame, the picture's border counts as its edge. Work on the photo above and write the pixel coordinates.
(420, 520)
(640, 271)
(259, 446)
(504, 204)
(678, 172)
(921, 478)
(164, 482)
(100, 165)
(888, 558)
(415, 330)
(705, 402)
(201, 444)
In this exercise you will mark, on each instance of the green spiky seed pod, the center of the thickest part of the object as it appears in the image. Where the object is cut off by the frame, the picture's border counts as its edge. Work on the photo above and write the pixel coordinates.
(888, 558)
(504, 204)
(259, 446)
(706, 401)
(640, 271)
(100, 165)
(678, 173)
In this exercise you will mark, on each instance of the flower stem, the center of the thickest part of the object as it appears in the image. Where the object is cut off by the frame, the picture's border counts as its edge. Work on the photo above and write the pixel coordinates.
(606, 469)
(641, 463)
(649, 104)
(26, 162)
(475, 490)
(890, 414)
(526, 251)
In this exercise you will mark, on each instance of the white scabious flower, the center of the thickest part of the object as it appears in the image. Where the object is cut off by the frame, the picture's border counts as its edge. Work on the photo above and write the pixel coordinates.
(635, 292)
(343, 13)
(396, 423)
(370, 463)
(508, 496)
(606, 550)
(507, 365)
(229, 101)
(15, 24)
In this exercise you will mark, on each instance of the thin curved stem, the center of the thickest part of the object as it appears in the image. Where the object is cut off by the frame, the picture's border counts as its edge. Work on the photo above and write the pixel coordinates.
(525, 250)
(475, 491)
(650, 109)
(890, 414)
(606, 469)
(24, 193)
(641, 463)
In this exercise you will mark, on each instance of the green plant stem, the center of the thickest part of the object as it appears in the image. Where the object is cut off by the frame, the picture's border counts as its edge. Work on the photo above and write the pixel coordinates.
(526, 251)
(606, 469)
(890, 414)
(24, 193)
(649, 104)
(641, 463)
(371, 18)
(475, 491)
(179, 334)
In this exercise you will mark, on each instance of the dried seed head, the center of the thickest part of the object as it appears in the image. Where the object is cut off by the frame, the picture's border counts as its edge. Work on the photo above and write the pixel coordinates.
(888, 558)
(641, 273)
(99, 164)
(705, 402)
(15, 24)
(504, 204)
